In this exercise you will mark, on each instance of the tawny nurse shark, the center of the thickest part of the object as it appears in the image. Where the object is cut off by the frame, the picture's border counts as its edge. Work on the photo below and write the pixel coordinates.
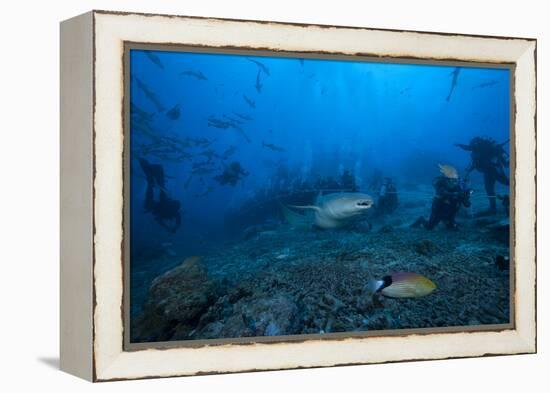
(331, 211)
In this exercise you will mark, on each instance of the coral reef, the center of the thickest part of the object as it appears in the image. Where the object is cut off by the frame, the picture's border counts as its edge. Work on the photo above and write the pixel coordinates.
(305, 281)
(177, 299)
(425, 247)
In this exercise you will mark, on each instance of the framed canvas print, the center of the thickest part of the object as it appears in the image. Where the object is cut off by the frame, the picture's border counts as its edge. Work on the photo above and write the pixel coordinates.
(246, 195)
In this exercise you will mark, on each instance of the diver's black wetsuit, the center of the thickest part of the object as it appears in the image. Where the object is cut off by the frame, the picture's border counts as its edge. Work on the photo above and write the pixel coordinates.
(387, 198)
(347, 182)
(153, 172)
(450, 194)
(489, 158)
(231, 174)
(166, 210)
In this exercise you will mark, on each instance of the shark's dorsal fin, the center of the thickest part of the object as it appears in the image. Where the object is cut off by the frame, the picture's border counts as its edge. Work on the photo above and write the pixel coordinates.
(318, 198)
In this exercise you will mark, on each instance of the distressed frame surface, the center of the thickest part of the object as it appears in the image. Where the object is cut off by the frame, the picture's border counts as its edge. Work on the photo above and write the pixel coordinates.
(92, 85)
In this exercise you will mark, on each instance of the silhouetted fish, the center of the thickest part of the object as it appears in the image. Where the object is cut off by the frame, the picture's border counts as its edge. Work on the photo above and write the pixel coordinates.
(142, 114)
(201, 141)
(273, 147)
(244, 134)
(258, 84)
(217, 123)
(174, 113)
(233, 120)
(250, 103)
(196, 74)
(241, 131)
(154, 58)
(228, 152)
(209, 154)
(455, 73)
(261, 65)
(150, 95)
(485, 84)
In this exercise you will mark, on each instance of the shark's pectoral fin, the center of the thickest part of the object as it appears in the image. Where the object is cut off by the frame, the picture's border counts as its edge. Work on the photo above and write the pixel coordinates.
(306, 207)
(296, 219)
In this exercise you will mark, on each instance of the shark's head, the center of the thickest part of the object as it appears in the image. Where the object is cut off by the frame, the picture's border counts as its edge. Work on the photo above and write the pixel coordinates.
(352, 204)
(339, 209)
(363, 203)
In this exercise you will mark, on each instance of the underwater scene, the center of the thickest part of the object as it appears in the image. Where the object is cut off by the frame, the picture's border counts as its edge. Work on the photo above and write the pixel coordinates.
(283, 196)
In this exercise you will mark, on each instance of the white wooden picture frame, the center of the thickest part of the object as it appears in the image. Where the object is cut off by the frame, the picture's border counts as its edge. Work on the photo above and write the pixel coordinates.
(92, 195)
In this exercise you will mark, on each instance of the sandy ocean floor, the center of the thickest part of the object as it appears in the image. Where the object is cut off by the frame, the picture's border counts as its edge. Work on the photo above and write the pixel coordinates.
(289, 281)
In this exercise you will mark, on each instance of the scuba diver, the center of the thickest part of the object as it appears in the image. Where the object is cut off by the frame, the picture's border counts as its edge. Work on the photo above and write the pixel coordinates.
(232, 174)
(505, 199)
(387, 198)
(154, 173)
(375, 180)
(489, 158)
(347, 182)
(450, 193)
(326, 183)
(165, 210)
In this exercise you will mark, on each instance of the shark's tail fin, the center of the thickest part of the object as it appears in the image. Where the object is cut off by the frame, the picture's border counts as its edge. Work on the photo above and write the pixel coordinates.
(295, 219)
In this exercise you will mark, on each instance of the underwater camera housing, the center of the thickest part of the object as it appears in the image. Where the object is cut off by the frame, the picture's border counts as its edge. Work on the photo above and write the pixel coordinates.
(195, 318)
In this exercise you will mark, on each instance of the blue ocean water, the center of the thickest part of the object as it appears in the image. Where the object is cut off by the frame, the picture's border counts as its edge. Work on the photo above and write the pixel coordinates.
(289, 124)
